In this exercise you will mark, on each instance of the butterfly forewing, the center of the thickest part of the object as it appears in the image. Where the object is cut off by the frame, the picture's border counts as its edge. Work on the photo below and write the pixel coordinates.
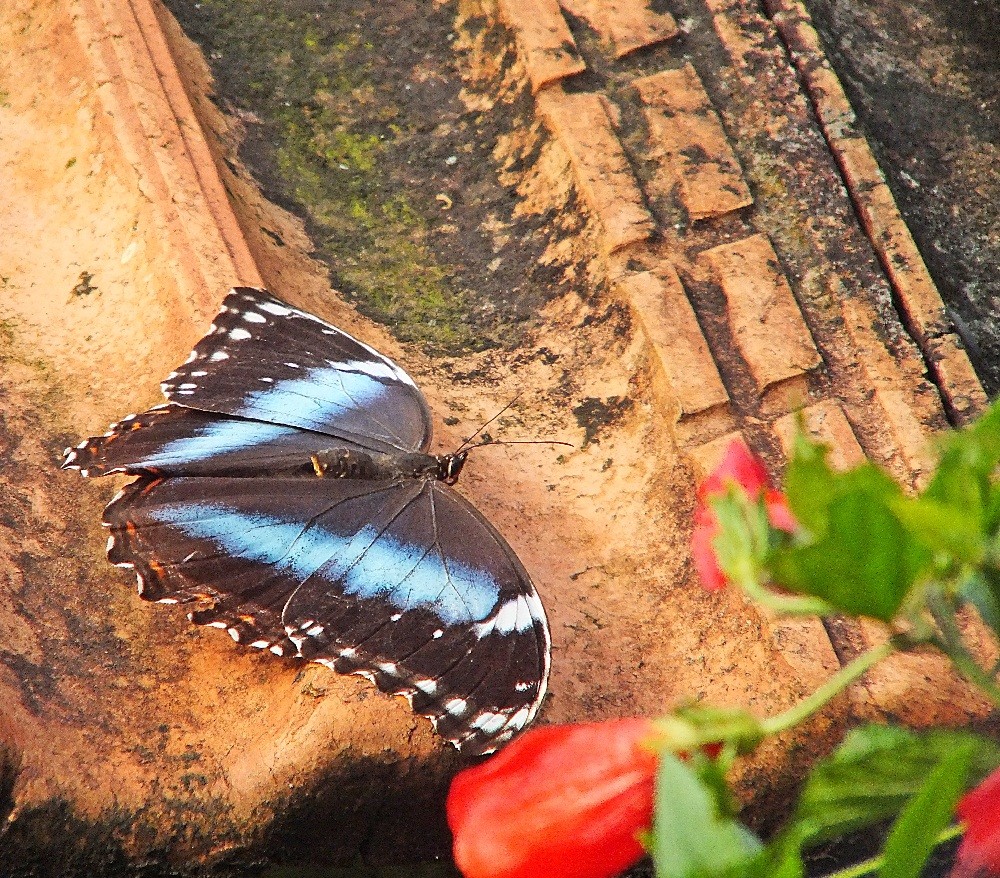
(266, 361)
(402, 581)
(173, 440)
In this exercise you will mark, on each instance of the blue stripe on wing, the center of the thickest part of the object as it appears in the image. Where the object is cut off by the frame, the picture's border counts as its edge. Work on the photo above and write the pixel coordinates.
(216, 440)
(320, 397)
(365, 564)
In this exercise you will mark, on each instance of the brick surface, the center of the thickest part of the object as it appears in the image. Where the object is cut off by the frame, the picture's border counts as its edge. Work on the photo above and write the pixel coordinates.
(680, 349)
(581, 124)
(879, 214)
(544, 41)
(708, 455)
(824, 422)
(626, 25)
(763, 314)
(689, 139)
(894, 395)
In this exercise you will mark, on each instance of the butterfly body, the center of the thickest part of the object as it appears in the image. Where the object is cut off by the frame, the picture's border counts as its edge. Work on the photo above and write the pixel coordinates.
(285, 494)
(347, 463)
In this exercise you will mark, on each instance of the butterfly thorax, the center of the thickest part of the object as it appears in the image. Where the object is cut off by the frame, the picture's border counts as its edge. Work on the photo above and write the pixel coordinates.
(349, 463)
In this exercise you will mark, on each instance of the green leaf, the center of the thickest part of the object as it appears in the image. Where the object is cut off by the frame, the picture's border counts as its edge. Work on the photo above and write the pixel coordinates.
(928, 812)
(691, 838)
(691, 726)
(809, 483)
(967, 462)
(873, 775)
(863, 562)
(944, 528)
(857, 554)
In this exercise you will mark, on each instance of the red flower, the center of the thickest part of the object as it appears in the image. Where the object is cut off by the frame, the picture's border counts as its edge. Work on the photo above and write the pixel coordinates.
(560, 802)
(979, 853)
(741, 467)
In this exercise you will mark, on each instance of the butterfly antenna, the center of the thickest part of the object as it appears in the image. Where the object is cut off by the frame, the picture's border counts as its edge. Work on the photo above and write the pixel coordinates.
(519, 442)
(465, 442)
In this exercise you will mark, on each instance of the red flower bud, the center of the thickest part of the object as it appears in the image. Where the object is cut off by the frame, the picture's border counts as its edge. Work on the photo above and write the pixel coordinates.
(979, 853)
(738, 465)
(741, 467)
(560, 802)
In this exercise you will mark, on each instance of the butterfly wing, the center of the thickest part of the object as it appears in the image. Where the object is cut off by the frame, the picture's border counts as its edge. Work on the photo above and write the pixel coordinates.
(403, 582)
(173, 440)
(265, 361)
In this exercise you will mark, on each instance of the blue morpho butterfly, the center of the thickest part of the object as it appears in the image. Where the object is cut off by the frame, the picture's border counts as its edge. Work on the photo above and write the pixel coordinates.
(286, 494)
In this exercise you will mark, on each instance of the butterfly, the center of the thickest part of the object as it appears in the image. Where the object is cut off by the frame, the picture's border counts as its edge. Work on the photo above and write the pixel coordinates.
(285, 494)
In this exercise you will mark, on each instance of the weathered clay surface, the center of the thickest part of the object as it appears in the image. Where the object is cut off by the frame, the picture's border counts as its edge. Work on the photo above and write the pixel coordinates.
(132, 737)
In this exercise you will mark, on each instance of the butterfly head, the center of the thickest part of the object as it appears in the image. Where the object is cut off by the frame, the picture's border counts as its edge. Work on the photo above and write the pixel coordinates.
(450, 466)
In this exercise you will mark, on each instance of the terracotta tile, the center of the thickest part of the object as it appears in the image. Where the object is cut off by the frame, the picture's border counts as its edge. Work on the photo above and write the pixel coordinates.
(825, 422)
(581, 124)
(626, 25)
(680, 349)
(898, 253)
(688, 138)
(892, 393)
(544, 41)
(764, 316)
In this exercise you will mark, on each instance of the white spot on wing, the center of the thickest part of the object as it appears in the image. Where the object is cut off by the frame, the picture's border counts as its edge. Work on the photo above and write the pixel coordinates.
(239, 334)
(489, 722)
(254, 317)
(456, 706)
(218, 356)
(274, 308)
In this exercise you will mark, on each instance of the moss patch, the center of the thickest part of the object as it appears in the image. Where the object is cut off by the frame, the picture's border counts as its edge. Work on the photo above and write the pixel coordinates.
(354, 121)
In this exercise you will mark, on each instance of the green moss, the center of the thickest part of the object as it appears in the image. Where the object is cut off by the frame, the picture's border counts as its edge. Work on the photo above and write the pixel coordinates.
(330, 134)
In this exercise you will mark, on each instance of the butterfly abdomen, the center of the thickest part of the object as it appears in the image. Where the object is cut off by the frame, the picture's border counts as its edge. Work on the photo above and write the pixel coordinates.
(348, 463)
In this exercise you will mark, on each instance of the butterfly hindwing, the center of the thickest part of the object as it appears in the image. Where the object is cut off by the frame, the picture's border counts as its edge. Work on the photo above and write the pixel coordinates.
(402, 581)
(266, 361)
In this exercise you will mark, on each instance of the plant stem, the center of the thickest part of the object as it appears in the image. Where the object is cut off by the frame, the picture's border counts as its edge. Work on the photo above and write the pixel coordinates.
(784, 604)
(829, 690)
(866, 867)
